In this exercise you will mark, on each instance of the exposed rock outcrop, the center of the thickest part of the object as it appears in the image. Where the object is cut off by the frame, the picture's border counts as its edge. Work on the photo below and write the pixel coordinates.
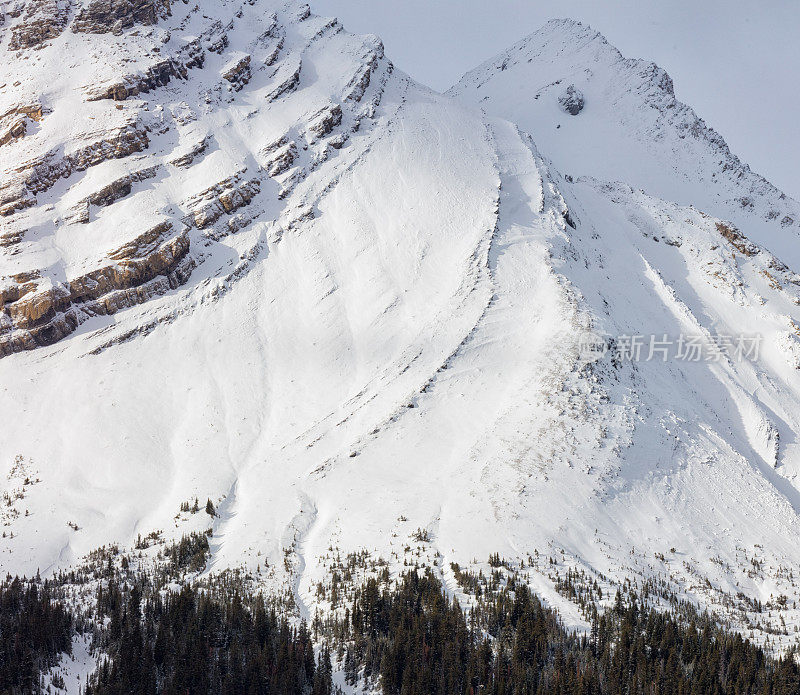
(279, 156)
(41, 20)
(109, 194)
(36, 312)
(121, 187)
(14, 122)
(156, 75)
(224, 197)
(324, 124)
(185, 159)
(288, 79)
(359, 83)
(238, 73)
(572, 100)
(39, 174)
(735, 238)
(104, 16)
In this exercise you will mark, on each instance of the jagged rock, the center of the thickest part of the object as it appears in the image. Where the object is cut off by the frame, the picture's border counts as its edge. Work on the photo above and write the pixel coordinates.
(192, 55)
(36, 312)
(188, 157)
(288, 82)
(32, 306)
(156, 75)
(240, 221)
(108, 194)
(215, 37)
(104, 16)
(224, 197)
(121, 187)
(8, 239)
(358, 84)
(143, 244)
(13, 198)
(41, 20)
(16, 286)
(279, 160)
(736, 239)
(78, 214)
(14, 122)
(14, 131)
(326, 122)
(232, 200)
(274, 146)
(238, 73)
(219, 44)
(37, 175)
(572, 100)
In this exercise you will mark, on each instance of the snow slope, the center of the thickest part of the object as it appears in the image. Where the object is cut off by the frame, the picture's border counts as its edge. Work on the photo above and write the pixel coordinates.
(373, 339)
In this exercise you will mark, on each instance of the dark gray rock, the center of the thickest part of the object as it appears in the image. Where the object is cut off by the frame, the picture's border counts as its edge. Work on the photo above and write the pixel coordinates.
(112, 16)
(572, 100)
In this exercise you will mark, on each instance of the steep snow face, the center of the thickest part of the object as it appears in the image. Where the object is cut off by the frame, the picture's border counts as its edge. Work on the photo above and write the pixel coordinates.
(630, 128)
(370, 333)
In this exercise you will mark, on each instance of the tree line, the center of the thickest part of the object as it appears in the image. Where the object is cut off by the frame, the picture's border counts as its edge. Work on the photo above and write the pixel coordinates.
(411, 640)
(400, 638)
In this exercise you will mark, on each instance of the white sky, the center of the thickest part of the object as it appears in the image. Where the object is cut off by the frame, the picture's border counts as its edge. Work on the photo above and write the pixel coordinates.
(736, 63)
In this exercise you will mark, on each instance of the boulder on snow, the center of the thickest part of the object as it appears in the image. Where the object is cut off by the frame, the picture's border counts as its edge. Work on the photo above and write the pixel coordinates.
(571, 100)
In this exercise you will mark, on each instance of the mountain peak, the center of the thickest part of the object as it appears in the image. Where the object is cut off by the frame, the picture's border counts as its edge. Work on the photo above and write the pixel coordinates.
(649, 136)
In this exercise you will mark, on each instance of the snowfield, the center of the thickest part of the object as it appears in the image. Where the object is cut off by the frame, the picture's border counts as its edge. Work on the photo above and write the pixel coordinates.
(364, 314)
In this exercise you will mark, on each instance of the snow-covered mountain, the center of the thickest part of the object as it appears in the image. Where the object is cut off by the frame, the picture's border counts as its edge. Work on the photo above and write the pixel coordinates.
(246, 259)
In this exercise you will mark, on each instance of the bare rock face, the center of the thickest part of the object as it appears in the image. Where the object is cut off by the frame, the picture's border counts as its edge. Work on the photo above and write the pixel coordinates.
(238, 74)
(121, 187)
(156, 75)
(41, 20)
(14, 122)
(221, 198)
(104, 16)
(288, 81)
(186, 159)
(18, 189)
(324, 124)
(14, 196)
(361, 80)
(279, 156)
(35, 312)
(736, 239)
(572, 100)
(109, 194)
